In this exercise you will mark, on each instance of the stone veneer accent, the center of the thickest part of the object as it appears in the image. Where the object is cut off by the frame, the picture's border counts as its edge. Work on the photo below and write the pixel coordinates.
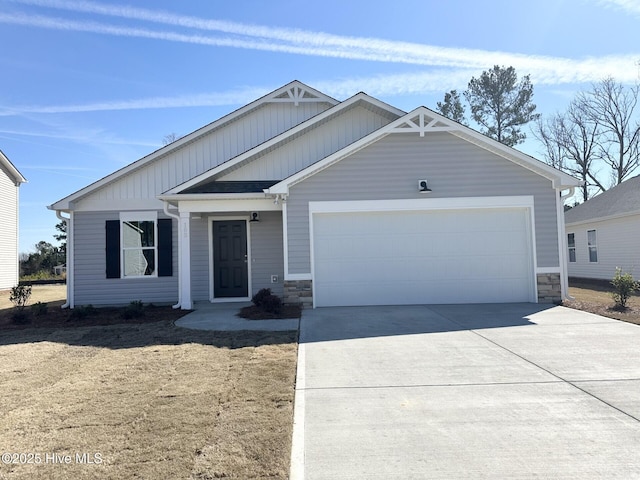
(549, 288)
(298, 292)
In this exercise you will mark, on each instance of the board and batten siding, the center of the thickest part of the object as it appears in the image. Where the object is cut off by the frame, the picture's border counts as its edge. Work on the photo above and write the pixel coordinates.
(618, 246)
(313, 145)
(9, 231)
(391, 168)
(266, 254)
(206, 152)
(91, 287)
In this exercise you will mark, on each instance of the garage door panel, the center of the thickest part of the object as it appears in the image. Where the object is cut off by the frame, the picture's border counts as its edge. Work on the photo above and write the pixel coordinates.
(376, 258)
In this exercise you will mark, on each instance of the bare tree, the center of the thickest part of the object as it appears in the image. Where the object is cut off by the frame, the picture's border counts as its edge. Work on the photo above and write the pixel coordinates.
(613, 106)
(170, 138)
(571, 142)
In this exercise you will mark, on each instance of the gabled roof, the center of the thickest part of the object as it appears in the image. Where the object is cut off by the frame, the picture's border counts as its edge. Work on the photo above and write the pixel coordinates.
(11, 169)
(621, 200)
(424, 121)
(284, 137)
(295, 91)
(234, 186)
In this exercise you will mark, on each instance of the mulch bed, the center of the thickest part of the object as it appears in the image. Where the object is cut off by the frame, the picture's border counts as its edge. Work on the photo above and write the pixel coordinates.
(58, 317)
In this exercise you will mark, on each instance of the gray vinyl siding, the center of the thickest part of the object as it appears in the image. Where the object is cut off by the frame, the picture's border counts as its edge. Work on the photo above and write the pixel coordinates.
(391, 168)
(266, 254)
(199, 259)
(9, 231)
(617, 242)
(90, 282)
(322, 140)
(196, 157)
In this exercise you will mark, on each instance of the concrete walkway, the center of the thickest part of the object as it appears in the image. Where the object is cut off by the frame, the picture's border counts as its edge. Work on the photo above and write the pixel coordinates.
(222, 317)
(466, 392)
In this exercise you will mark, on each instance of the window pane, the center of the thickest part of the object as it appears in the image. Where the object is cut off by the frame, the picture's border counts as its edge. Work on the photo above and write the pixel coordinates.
(572, 254)
(138, 234)
(591, 238)
(571, 240)
(593, 254)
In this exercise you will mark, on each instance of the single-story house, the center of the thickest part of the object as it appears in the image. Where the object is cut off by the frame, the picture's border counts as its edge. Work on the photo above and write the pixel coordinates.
(10, 180)
(326, 203)
(603, 232)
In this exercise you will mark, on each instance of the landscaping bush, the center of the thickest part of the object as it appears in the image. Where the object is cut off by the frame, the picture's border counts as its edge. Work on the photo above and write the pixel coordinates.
(624, 285)
(259, 297)
(271, 304)
(20, 295)
(40, 308)
(82, 312)
(134, 310)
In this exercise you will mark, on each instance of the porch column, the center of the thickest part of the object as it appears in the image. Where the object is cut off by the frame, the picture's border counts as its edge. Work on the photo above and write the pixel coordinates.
(184, 245)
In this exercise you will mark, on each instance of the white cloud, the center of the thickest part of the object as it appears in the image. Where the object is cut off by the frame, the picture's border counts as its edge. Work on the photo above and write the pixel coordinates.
(631, 6)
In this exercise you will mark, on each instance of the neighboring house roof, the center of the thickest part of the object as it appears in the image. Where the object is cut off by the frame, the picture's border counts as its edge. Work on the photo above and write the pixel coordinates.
(294, 91)
(621, 200)
(11, 169)
(423, 120)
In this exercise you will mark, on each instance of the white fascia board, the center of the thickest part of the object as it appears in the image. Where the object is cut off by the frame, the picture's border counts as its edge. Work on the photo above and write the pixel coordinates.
(217, 206)
(13, 171)
(560, 180)
(308, 124)
(602, 219)
(65, 203)
(419, 204)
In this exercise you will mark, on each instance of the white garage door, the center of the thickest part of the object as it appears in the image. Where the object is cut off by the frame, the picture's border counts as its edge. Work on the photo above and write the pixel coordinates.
(416, 257)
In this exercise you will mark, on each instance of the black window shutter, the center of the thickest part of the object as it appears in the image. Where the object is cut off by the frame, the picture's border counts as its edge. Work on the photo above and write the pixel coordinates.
(165, 248)
(113, 248)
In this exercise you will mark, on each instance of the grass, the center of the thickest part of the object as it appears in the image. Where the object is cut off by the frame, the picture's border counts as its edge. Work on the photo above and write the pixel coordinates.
(595, 296)
(154, 400)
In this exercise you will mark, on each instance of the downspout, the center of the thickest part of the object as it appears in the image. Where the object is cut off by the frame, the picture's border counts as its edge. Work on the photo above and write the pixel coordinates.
(69, 257)
(177, 217)
(564, 270)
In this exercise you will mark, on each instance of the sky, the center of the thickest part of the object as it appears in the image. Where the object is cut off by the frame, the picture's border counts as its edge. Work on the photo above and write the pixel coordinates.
(88, 87)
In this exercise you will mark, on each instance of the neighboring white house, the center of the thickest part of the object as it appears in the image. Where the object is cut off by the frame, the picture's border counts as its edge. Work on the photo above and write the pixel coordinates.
(326, 203)
(10, 180)
(604, 233)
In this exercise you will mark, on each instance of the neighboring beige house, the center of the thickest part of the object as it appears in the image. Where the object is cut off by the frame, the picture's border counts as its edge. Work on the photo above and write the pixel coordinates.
(604, 233)
(326, 203)
(10, 180)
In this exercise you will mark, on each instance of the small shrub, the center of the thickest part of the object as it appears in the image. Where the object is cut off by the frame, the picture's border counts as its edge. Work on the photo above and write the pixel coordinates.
(20, 295)
(624, 285)
(271, 304)
(84, 311)
(259, 297)
(40, 308)
(134, 310)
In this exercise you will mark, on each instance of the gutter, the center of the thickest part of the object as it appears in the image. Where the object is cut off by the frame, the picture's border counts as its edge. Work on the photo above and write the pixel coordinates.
(177, 217)
(70, 265)
(564, 271)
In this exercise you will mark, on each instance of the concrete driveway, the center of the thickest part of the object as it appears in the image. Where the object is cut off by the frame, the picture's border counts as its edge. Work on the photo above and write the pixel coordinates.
(466, 391)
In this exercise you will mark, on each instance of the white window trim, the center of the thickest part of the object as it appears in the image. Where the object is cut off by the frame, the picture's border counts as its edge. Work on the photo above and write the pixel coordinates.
(143, 216)
(570, 248)
(594, 246)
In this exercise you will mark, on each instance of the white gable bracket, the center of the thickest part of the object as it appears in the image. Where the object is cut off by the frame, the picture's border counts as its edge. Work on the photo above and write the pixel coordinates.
(296, 94)
(422, 123)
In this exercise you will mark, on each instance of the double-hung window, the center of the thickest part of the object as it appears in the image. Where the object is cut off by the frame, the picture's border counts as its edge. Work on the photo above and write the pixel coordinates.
(139, 233)
(571, 242)
(592, 244)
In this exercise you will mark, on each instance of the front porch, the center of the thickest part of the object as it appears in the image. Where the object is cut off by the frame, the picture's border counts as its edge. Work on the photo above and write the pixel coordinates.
(223, 317)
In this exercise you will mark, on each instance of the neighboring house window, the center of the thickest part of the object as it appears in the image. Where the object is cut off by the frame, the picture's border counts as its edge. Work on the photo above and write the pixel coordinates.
(138, 245)
(571, 241)
(592, 243)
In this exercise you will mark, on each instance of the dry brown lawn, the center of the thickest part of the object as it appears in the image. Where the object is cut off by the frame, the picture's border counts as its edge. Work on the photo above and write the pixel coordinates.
(153, 400)
(595, 297)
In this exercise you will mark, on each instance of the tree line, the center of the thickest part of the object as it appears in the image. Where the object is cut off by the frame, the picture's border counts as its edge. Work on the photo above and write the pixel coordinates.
(47, 256)
(596, 139)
